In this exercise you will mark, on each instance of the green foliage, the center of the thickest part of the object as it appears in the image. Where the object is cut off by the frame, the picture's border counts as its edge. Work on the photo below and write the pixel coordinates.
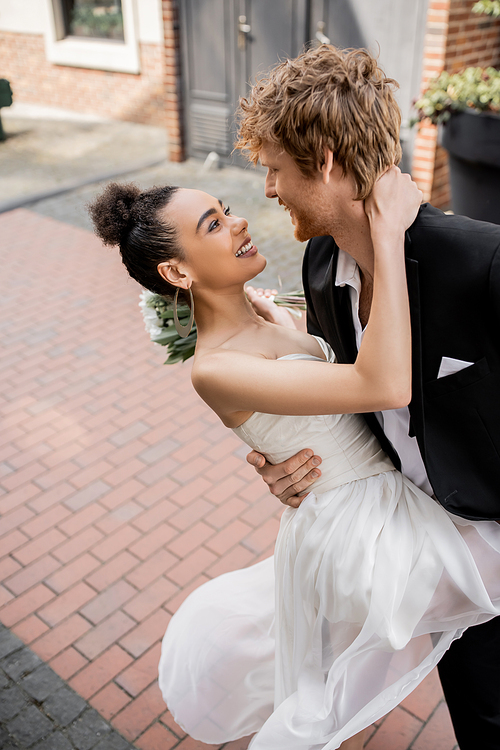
(179, 349)
(97, 19)
(473, 88)
(488, 8)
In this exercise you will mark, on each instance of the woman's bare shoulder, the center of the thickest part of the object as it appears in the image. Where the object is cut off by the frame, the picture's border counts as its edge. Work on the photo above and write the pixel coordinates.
(213, 370)
(212, 364)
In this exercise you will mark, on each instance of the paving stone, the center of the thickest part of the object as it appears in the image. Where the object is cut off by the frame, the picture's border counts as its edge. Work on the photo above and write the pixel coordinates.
(6, 741)
(41, 683)
(114, 741)
(12, 701)
(4, 736)
(88, 730)
(55, 741)
(49, 147)
(26, 726)
(64, 706)
(4, 680)
(30, 726)
(8, 642)
(21, 663)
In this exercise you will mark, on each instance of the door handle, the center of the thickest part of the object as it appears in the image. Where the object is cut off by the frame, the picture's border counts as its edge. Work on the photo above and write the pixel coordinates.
(320, 36)
(243, 29)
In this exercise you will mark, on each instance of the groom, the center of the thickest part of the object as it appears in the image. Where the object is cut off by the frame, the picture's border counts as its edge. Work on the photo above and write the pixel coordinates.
(326, 125)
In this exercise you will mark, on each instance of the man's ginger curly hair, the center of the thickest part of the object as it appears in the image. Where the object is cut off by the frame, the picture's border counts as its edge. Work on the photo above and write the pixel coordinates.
(328, 97)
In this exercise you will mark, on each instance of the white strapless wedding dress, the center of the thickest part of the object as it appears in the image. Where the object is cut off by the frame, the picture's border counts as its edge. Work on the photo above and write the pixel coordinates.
(370, 583)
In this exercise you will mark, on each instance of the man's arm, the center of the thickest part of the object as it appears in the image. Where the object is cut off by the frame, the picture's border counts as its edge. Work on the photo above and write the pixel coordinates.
(290, 480)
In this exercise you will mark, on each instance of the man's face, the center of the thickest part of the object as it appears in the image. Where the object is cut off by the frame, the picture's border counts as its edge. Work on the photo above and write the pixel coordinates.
(316, 208)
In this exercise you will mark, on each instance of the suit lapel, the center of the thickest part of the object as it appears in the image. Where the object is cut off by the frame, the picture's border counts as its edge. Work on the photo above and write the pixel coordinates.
(338, 306)
(416, 405)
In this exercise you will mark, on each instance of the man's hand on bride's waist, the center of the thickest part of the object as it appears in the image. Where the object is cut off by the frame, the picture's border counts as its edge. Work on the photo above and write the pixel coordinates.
(290, 480)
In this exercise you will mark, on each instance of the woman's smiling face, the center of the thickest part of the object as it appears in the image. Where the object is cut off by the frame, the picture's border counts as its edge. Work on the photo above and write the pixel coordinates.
(219, 252)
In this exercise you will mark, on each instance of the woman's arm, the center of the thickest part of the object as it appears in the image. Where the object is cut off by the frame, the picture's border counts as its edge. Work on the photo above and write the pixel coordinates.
(232, 382)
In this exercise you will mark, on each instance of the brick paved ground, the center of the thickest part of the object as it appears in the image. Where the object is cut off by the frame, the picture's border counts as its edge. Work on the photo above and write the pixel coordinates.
(119, 492)
(37, 707)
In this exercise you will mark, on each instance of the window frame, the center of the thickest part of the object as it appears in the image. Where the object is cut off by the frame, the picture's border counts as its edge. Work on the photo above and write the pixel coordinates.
(95, 54)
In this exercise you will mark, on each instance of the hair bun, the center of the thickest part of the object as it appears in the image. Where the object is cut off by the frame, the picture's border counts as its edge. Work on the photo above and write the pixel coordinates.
(112, 214)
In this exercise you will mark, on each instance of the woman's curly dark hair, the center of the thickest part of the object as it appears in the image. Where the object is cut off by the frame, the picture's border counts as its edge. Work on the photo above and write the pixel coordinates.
(126, 216)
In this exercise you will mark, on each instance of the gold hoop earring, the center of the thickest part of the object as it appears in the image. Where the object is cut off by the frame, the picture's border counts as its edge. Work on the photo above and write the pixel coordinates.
(183, 331)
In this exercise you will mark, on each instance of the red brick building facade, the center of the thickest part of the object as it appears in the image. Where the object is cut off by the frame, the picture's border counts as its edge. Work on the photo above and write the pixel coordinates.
(455, 38)
(150, 96)
(139, 98)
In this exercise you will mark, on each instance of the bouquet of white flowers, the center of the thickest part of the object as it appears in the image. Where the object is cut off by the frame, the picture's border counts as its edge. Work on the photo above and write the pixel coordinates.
(158, 314)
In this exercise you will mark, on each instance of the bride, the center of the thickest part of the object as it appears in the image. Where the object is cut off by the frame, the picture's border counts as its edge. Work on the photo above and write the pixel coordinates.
(371, 580)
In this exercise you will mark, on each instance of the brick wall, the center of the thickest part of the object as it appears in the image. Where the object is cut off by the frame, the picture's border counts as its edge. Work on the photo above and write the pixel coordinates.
(34, 79)
(152, 97)
(172, 79)
(472, 39)
(455, 38)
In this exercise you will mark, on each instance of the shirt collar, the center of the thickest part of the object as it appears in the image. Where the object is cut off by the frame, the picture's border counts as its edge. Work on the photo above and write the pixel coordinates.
(347, 271)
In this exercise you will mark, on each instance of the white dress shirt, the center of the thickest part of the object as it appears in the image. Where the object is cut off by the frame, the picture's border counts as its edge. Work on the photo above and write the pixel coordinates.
(395, 422)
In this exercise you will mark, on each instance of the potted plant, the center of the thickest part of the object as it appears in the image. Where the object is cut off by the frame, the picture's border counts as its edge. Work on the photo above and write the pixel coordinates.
(466, 106)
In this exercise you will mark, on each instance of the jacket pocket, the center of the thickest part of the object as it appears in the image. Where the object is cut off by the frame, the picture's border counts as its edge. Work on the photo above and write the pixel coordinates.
(466, 377)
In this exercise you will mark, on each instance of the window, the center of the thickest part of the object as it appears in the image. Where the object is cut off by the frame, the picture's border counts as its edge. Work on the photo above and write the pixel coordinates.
(99, 34)
(96, 19)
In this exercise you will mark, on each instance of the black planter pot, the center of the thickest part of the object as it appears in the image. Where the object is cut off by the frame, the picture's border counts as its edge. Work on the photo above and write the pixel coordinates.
(473, 144)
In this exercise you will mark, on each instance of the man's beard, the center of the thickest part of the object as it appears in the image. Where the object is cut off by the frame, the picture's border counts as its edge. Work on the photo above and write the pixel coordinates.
(305, 226)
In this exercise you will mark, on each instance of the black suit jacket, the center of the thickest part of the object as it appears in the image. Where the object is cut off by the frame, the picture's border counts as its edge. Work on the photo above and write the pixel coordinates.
(453, 273)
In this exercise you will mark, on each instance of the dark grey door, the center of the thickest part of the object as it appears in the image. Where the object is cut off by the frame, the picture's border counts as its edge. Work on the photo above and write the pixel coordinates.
(208, 50)
(274, 31)
(225, 45)
(393, 30)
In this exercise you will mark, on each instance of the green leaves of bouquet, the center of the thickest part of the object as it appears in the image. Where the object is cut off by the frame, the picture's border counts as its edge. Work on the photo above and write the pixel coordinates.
(158, 317)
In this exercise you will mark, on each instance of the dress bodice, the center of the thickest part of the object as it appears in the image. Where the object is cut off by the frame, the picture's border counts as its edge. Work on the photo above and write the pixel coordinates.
(346, 445)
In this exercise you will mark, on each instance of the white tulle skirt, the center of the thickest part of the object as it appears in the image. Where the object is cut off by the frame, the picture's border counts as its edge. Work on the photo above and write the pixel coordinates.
(369, 585)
